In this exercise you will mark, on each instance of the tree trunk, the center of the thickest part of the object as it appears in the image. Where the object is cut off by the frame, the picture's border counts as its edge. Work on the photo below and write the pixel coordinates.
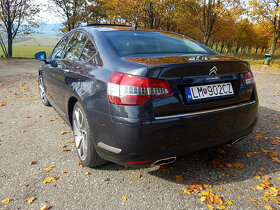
(10, 41)
(274, 42)
(256, 50)
(222, 47)
(206, 39)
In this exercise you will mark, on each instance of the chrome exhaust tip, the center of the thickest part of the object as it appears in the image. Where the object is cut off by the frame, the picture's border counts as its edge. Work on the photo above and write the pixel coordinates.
(239, 139)
(164, 161)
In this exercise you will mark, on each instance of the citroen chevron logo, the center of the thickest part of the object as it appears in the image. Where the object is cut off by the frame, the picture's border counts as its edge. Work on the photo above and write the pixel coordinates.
(214, 70)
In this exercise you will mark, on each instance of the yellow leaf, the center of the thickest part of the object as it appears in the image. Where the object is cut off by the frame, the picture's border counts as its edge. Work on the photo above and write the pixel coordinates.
(257, 177)
(219, 188)
(6, 201)
(50, 179)
(264, 150)
(266, 198)
(87, 173)
(178, 178)
(268, 207)
(45, 207)
(62, 146)
(71, 141)
(138, 176)
(221, 207)
(124, 198)
(64, 171)
(210, 207)
(49, 168)
(203, 198)
(230, 202)
(278, 178)
(30, 200)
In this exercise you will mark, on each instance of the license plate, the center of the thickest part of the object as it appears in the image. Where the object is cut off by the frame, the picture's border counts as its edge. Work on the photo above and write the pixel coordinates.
(209, 91)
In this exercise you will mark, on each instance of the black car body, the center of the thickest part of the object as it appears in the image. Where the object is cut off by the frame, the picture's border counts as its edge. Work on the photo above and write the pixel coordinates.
(137, 102)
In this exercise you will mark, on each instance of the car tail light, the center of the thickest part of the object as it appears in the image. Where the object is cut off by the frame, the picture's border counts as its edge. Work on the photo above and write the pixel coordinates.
(131, 90)
(249, 79)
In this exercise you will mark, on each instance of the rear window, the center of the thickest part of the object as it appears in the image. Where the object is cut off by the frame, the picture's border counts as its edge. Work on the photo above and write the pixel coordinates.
(128, 43)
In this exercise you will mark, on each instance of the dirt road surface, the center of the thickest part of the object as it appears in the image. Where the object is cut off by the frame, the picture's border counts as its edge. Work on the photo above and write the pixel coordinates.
(31, 132)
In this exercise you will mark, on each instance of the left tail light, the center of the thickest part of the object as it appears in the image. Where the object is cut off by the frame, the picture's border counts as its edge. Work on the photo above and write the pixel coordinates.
(249, 79)
(131, 90)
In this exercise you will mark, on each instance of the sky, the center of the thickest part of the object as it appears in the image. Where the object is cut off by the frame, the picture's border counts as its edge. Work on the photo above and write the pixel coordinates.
(46, 15)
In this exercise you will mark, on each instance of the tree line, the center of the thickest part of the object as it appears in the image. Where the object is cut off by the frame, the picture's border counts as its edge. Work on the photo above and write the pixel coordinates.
(227, 26)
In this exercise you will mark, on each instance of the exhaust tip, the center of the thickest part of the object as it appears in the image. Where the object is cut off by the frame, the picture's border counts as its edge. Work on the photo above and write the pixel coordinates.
(164, 161)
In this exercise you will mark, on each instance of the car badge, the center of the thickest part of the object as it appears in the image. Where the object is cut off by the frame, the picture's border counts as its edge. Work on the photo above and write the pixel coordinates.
(214, 70)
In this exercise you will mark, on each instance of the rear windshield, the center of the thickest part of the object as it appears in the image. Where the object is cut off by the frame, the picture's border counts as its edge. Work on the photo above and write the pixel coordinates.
(129, 43)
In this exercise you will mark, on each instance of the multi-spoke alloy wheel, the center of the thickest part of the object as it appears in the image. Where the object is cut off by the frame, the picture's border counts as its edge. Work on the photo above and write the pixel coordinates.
(42, 92)
(80, 133)
(84, 138)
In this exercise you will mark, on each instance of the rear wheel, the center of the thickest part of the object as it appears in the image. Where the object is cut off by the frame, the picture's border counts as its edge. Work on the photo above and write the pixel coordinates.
(42, 92)
(84, 138)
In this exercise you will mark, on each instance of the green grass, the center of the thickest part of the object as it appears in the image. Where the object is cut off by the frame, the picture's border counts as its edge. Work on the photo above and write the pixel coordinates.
(28, 51)
(258, 59)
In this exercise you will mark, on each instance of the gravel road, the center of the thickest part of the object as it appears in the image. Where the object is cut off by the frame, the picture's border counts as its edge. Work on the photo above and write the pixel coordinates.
(31, 132)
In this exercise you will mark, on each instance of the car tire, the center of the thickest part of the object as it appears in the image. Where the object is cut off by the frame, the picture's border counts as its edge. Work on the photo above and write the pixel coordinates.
(42, 92)
(84, 138)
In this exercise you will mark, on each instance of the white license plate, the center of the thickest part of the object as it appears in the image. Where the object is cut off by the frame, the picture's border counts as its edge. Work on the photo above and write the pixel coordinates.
(209, 91)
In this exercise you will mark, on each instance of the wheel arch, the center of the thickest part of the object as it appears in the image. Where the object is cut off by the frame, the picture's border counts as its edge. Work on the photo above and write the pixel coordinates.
(71, 103)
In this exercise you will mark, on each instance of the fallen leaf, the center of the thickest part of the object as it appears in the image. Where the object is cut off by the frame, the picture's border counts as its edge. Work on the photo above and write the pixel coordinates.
(62, 146)
(221, 207)
(263, 132)
(65, 150)
(230, 202)
(124, 198)
(254, 201)
(178, 178)
(50, 179)
(264, 150)
(23, 131)
(260, 173)
(219, 188)
(87, 173)
(63, 132)
(28, 117)
(238, 165)
(166, 167)
(32, 162)
(249, 154)
(257, 177)
(64, 171)
(45, 207)
(268, 207)
(49, 168)
(231, 175)
(71, 141)
(6, 201)
(210, 207)
(80, 165)
(30, 200)
(138, 176)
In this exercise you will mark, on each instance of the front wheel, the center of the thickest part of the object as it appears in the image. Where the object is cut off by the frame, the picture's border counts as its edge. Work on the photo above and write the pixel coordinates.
(42, 92)
(84, 138)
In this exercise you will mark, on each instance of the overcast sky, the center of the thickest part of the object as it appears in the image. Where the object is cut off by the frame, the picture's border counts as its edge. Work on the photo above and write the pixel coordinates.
(46, 15)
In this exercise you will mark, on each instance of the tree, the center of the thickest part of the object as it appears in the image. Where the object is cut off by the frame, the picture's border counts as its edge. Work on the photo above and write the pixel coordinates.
(268, 10)
(16, 16)
(71, 11)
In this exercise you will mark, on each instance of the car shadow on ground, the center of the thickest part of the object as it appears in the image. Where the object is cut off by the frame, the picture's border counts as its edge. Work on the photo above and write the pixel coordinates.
(229, 163)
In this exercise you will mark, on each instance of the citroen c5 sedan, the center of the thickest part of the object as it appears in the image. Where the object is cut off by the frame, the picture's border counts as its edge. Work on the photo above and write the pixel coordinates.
(141, 97)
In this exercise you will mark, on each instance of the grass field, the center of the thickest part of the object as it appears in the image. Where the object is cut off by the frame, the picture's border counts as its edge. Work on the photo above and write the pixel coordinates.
(28, 51)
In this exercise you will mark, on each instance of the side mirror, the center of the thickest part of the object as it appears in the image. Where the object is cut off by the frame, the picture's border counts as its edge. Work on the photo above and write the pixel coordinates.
(41, 56)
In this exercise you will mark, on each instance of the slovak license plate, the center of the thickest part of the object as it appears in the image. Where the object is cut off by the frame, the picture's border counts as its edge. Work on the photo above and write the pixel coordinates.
(209, 91)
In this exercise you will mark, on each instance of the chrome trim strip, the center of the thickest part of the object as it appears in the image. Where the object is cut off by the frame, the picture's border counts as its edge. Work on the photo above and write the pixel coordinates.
(205, 112)
(109, 148)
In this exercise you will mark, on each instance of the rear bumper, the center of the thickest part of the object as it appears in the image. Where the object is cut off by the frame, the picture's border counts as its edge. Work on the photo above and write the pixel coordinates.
(170, 136)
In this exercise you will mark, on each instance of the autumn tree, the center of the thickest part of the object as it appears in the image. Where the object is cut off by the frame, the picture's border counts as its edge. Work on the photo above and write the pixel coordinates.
(268, 10)
(16, 16)
(70, 11)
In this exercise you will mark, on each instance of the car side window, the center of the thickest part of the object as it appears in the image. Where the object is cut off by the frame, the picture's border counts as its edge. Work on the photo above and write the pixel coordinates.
(57, 52)
(75, 46)
(88, 51)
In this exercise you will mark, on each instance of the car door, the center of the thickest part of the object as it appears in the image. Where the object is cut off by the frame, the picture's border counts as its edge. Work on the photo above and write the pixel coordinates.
(51, 69)
(64, 75)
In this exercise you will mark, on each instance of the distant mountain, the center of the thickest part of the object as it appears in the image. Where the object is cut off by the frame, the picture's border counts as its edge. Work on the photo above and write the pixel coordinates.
(46, 28)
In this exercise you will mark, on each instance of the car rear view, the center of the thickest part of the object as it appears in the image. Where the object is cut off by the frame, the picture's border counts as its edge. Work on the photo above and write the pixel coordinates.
(181, 98)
